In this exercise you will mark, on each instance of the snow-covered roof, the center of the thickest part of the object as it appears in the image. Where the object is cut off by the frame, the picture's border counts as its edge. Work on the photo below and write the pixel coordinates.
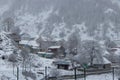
(52, 47)
(117, 52)
(45, 53)
(27, 42)
(63, 62)
(49, 53)
(106, 52)
(41, 52)
(106, 61)
(102, 61)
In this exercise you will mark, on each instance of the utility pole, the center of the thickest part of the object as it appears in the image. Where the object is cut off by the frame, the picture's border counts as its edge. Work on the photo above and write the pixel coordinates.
(84, 74)
(75, 73)
(113, 73)
(17, 73)
(45, 73)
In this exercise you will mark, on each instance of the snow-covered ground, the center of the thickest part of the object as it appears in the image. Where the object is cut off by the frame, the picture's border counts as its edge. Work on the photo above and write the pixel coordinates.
(38, 65)
(6, 69)
(98, 77)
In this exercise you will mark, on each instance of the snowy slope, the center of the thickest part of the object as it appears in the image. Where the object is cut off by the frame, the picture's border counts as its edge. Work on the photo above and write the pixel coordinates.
(58, 19)
(7, 44)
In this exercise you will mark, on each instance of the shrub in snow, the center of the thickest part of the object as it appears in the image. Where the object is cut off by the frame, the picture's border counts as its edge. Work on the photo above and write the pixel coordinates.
(29, 74)
(3, 77)
(36, 65)
(117, 72)
(12, 58)
(55, 73)
(4, 57)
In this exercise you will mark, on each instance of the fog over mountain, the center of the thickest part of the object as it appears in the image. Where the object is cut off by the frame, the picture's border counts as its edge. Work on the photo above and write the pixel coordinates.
(60, 18)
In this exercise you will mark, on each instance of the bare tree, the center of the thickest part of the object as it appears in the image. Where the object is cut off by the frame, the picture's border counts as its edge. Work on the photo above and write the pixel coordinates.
(109, 43)
(8, 23)
(25, 56)
(13, 58)
(15, 30)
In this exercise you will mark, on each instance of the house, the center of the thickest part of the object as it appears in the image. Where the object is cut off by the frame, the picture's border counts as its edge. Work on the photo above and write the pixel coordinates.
(31, 43)
(62, 64)
(103, 64)
(29, 48)
(26, 36)
(57, 50)
(45, 44)
(112, 50)
(25, 48)
(45, 55)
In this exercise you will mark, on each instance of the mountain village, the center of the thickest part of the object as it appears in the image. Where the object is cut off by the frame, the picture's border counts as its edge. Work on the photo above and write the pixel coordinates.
(59, 39)
(46, 59)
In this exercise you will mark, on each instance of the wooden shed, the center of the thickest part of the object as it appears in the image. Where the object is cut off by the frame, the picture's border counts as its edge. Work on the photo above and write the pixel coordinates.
(57, 50)
(62, 64)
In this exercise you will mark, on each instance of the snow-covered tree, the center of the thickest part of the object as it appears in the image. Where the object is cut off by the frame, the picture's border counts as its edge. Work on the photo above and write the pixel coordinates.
(15, 30)
(73, 43)
(4, 77)
(89, 51)
(109, 43)
(9, 25)
(39, 41)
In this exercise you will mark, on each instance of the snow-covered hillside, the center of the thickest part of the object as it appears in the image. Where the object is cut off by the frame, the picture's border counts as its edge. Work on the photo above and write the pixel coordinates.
(8, 69)
(58, 19)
